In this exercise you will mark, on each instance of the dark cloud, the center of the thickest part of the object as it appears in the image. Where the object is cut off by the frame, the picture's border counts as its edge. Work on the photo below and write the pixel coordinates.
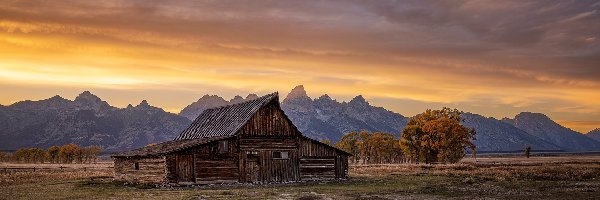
(558, 39)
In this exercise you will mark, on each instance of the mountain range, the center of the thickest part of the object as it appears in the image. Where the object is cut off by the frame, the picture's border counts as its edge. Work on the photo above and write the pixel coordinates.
(88, 120)
(85, 121)
(594, 134)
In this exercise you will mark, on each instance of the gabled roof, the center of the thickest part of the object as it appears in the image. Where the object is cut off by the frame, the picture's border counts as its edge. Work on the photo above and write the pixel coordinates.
(167, 147)
(225, 121)
(330, 146)
(212, 125)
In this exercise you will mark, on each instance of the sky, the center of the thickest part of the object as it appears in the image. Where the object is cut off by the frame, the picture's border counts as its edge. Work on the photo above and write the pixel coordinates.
(494, 58)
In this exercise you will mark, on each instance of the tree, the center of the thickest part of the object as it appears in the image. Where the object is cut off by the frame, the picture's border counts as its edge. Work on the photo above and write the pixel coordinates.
(67, 153)
(527, 151)
(4, 157)
(53, 153)
(326, 141)
(30, 155)
(371, 147)
(350, 144)
(90, 153)
(365, 146)
(383, 148)
(38, 155)
(436, 136)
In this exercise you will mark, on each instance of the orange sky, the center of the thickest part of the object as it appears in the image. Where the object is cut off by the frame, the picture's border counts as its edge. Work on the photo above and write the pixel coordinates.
(495, 58)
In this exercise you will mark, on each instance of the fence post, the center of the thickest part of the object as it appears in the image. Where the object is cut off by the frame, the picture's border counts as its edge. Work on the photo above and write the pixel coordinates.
(33, 169)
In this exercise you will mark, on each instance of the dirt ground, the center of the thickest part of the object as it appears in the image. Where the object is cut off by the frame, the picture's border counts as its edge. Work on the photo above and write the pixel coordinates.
(564, 177)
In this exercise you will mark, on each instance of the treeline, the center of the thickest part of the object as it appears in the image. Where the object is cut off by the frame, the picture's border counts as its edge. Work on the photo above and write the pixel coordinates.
(372, 148)
(69, 153)
(434, 136)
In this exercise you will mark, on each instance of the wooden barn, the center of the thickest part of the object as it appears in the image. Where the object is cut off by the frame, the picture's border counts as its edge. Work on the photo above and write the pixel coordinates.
(248, 142)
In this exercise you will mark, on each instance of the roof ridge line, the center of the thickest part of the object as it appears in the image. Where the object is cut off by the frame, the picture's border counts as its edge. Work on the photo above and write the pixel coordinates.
(248, 108)
(245, 101)
(241, 125)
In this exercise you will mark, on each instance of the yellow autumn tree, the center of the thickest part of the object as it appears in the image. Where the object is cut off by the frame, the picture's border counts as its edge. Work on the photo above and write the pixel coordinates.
(53, 153)
(436, 136)
(68, 153)
(370, 148)
(350, 144)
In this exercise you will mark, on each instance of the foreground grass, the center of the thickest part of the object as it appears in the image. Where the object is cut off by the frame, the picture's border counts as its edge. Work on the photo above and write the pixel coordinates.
(546, 180)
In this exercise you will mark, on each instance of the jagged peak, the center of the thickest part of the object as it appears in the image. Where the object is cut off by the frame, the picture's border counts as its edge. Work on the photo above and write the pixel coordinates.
(325, 97)
(597, 130)
(532, 114)
(129, 106)
(57, 97)
(144, 103)
(251, 96)
(359, 100)
(297, 93)
(87, 95)
(210, 97)
(236, 99)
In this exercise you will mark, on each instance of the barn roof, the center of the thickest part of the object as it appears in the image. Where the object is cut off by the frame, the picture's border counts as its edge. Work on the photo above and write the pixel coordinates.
(213, 124)
(225, 120)
(167, 147)
(328, 145)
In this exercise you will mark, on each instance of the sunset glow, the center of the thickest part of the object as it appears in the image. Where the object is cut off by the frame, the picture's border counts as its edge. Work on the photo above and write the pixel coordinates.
(492, 59)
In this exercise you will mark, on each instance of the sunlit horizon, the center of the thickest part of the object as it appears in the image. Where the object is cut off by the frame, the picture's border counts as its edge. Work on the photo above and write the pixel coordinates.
(496, 59)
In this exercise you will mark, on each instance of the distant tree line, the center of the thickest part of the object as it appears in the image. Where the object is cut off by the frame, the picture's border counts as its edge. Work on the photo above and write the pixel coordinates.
(69, 153)
(371, 148)
(434, 136)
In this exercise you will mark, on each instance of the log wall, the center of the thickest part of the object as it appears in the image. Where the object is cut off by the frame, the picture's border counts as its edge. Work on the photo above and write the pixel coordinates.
(210, 165)
(320, 161)
(258, 165)
(151, 169)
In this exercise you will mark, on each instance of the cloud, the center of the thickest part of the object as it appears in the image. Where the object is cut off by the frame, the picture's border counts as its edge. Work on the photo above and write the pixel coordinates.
(429, 51)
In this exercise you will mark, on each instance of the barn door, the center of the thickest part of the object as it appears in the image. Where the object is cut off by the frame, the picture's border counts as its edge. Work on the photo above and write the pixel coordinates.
(252, 168)
(185, 168)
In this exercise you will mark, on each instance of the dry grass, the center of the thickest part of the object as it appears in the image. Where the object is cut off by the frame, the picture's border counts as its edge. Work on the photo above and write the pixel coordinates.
(574, 177)
(21, 173)
(103, 164)
(499, 169)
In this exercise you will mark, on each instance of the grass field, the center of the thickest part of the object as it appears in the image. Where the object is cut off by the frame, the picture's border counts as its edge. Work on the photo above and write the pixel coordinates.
(572, 177)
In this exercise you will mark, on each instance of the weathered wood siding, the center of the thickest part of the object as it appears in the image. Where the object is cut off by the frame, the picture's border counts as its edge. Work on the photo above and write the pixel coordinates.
(266, 132)
(150, 169)
(269, 121)
(249, 156)
(320, 161)
(259, 166)
(210, 165)
(214, 166)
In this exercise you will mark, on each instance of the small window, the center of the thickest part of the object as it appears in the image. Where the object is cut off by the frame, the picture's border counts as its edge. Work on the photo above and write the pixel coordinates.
(223, 146)
(280, 155)
(136, 166)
